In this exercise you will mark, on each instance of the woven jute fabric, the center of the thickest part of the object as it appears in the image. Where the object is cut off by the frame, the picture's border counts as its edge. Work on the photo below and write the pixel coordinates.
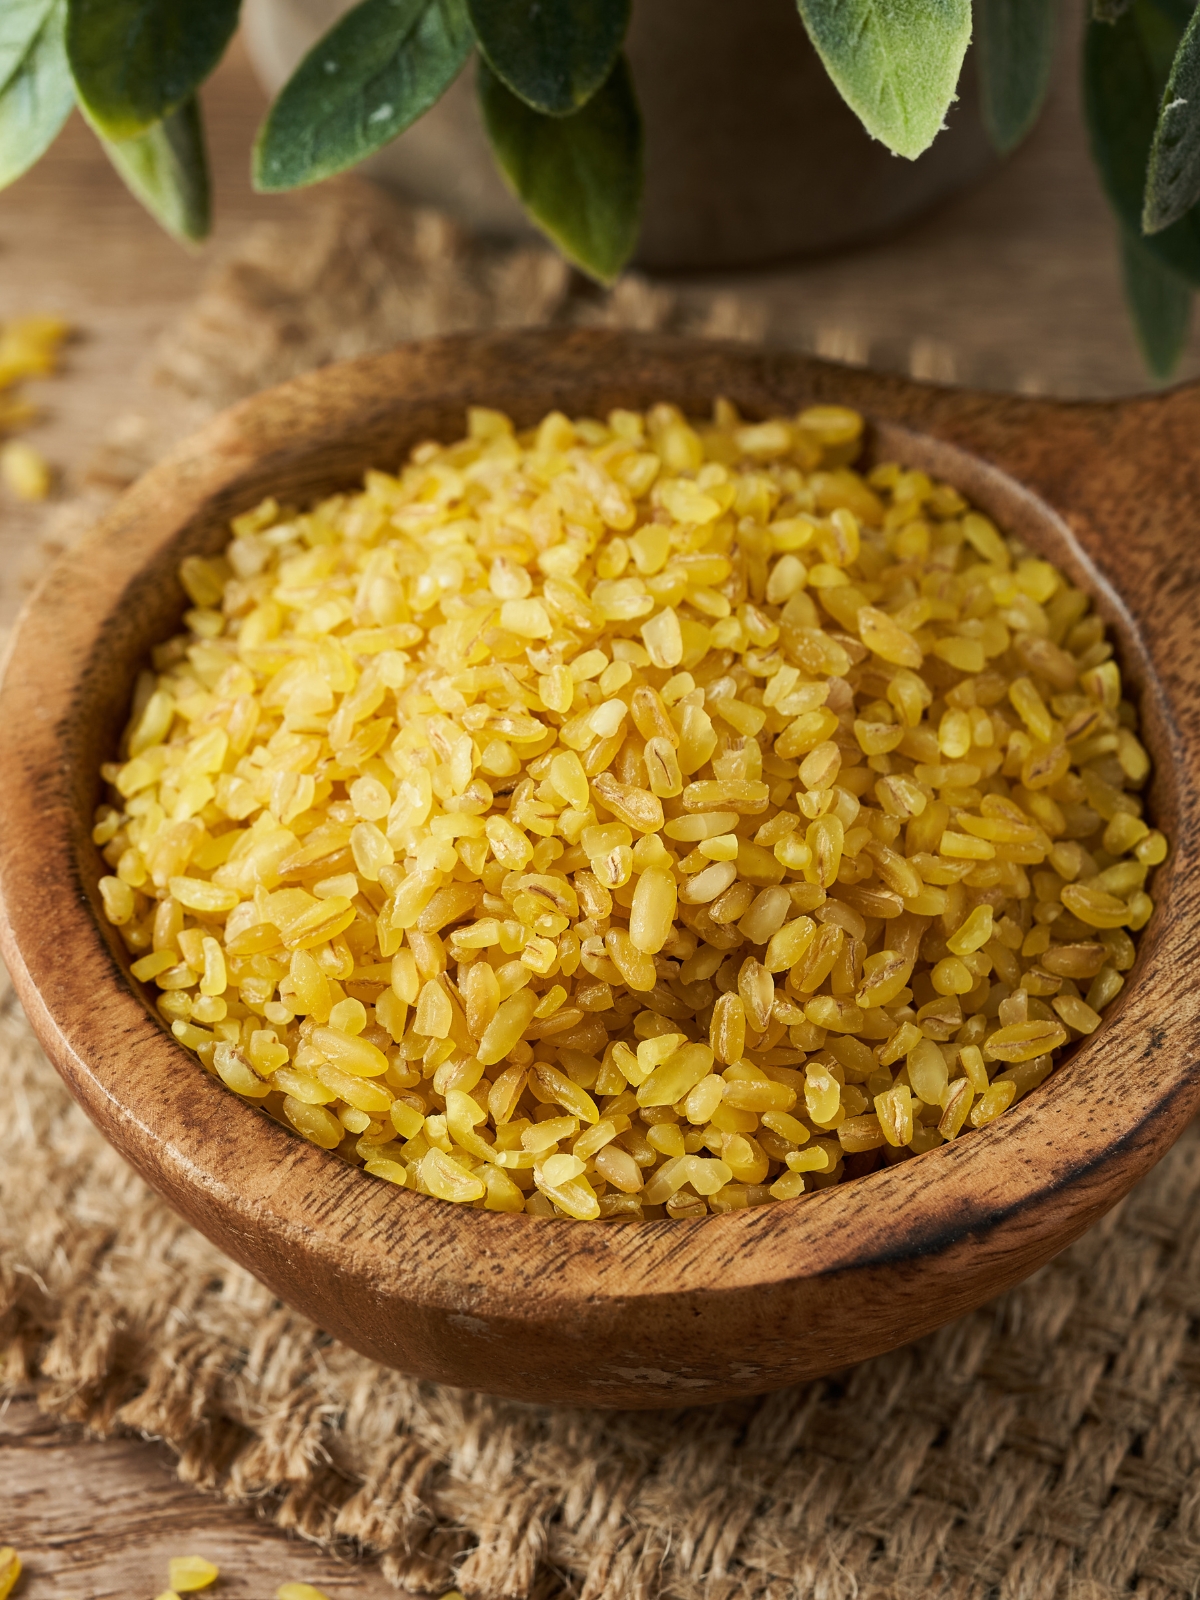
(1045, 1448)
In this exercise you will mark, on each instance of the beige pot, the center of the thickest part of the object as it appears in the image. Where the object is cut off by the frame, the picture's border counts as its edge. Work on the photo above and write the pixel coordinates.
(751, 156)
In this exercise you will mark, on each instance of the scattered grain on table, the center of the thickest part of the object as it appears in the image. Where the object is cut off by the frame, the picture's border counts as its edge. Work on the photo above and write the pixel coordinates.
(10, 1570)
(24, 470)
(29, 348)
(186, 1573)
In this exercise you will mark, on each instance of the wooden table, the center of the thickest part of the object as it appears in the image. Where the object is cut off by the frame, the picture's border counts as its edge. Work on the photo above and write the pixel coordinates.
(1014, 284)
(98, 1518)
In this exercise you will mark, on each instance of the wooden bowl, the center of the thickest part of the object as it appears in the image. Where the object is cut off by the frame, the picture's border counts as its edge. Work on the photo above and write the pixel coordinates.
(627, 1313)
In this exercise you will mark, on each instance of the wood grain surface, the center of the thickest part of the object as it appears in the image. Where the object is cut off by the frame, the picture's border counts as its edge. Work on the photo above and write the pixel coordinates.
(634, 1314)
(95, 1519)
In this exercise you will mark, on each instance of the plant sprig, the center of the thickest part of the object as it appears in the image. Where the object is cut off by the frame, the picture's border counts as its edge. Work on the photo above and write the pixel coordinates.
(36, 92)
(1129, 64)
(136, 62)
(373, 74)
(1014, 48)
(559, 106)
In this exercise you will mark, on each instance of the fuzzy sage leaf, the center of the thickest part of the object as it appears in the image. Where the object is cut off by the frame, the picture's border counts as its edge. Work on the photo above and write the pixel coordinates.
(1173, 173)
(1161, 304)
(166, 168)
(1014, 52)
(1126, 66)
(579, 177)
(136, 61)
(20, 23)
(895, 62)
(553, 54)
(372, 75)
(36, 92)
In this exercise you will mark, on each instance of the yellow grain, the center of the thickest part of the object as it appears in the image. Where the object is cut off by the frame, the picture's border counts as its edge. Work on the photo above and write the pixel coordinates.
(24, 470)
(187, 1573)
(10, 1570)
(566, 820)
(29, 348)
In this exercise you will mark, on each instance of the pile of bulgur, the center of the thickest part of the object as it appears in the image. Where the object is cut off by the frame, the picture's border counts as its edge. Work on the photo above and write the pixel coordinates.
(630, 818)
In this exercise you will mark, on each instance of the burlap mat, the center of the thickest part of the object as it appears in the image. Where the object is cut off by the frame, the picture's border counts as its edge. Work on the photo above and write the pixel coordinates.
(1046, 1447)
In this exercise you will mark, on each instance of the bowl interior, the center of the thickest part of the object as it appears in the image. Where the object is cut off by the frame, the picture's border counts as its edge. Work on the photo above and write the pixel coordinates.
(151, 606)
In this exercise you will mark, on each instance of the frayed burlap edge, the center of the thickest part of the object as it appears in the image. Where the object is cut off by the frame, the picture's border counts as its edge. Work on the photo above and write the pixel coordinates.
(1047, 1446)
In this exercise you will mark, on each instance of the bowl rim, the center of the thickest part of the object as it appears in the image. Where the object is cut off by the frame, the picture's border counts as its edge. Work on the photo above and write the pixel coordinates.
(210, 1152)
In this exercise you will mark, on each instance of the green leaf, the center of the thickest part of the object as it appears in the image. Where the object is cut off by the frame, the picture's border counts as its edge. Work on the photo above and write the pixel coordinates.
(1014, 51)
(579, 177)
(1160, 303)
(372, 75)
(136, 61)
(167, 169)
(553, 54)
(1125, 69)
(20, 23)
(1109, 10)
(895, 62)
(36, 96)
(1173, 173)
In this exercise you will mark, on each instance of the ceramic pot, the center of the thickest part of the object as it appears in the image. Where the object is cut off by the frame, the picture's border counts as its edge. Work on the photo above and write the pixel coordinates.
(751, 155)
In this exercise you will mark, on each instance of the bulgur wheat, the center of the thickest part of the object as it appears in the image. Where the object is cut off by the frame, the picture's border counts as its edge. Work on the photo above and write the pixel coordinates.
(630, 818)
(188, 1573)
(10, 1570)
(29, 348)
